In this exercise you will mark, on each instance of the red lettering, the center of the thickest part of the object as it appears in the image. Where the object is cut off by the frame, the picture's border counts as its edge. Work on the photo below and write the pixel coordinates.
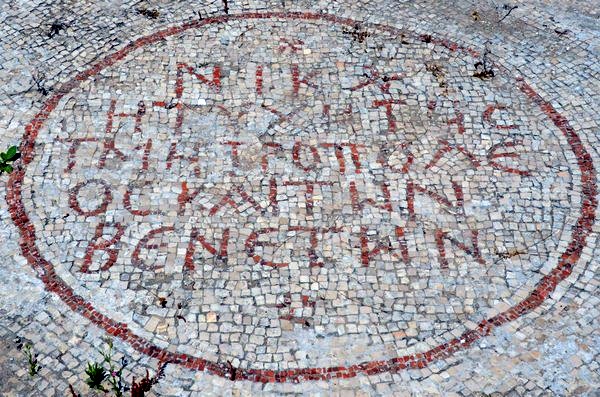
(459, 119)
(389, 111)
(380, 246)
(225, 200)
(384, 155)
(235, 160)
(309, 192)
(273, 196)
(487, 117)
(276, 147)
(374, 77)
(196, 237)
(297, 80)
(144, 244)
(109, 140)
(402, 242)
(253, 241)
(339, 155)
(129, 207)
(75, 145)
(215, 83)
(293, 45)
(473, 251)
(146, 155)
(74, 198)
(100, 244)
(445, 148)
(339, 117)
(259, 80)
(492, 156)
(228, 200)
(297, 156)
(358, 205)
(411, 188)
(186, 197)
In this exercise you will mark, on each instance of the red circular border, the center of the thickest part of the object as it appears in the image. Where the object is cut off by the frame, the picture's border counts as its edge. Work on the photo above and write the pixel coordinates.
(56, 285)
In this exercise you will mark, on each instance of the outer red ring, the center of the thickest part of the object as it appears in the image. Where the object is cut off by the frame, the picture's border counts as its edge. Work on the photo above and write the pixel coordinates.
(56, 285)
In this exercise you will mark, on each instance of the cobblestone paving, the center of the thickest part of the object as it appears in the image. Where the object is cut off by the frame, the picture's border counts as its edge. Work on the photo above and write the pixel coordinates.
(347, 198)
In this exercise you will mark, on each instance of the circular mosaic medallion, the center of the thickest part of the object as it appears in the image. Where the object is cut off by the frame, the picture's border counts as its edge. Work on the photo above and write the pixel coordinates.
(352, 199)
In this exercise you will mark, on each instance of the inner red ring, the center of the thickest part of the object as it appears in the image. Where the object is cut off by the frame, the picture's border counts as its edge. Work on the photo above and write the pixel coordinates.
(55, 284)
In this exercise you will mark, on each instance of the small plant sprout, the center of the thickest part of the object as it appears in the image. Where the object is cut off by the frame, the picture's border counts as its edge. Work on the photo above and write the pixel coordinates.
(139, 389)
(115, 374)
(32, 361)
(7, 158)
(96, 375)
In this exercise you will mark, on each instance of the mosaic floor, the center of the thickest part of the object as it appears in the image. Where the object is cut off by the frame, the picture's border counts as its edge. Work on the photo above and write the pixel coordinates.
(307, 198)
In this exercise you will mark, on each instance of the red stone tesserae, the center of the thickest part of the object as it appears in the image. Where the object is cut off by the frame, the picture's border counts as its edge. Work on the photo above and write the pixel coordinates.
(360, 173)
